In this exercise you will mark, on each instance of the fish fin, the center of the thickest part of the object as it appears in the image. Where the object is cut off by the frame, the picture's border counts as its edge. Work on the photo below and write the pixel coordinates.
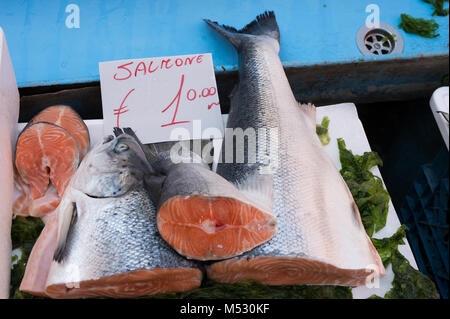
(264, 24)
(145, 149)
(117, 131)
(67, 217)
(259, 189)
(153, 185)
(310, 110)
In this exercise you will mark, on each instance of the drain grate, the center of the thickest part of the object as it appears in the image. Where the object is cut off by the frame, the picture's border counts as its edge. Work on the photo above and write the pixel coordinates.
(379, 41)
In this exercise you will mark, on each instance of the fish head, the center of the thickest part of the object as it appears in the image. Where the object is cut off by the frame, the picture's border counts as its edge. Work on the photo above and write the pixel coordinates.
(112, 168)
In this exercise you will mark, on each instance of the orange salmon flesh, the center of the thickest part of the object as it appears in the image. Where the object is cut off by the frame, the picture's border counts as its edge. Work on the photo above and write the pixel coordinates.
(278, 271)
(68, 119)
(206, 228)
(131, 284)
(46, 152)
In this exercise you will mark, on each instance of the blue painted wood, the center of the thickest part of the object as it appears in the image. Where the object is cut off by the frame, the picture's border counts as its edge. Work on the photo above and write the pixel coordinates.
(44, 51)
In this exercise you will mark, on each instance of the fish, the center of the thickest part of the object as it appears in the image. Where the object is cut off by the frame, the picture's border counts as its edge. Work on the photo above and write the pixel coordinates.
(36, 197)
(320, 237)
(46, 153)
(202, 215)
(107, 240)
(70, 120)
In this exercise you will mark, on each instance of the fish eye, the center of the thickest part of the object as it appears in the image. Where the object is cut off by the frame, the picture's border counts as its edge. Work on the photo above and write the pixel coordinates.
(121, 147)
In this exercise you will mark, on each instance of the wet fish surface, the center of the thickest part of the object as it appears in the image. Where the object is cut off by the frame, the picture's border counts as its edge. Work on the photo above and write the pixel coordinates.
(48, 151)
(108, 243)
(67, 118)
(320, 237)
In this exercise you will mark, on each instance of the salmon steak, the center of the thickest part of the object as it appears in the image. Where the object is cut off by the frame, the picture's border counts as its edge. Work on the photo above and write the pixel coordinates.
(202, 215)
(46, 153)
(27, 204)
(107, 241)
(67, 118)
(320, 237)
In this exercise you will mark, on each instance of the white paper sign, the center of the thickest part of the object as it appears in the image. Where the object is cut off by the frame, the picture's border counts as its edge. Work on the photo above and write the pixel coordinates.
(154, 96)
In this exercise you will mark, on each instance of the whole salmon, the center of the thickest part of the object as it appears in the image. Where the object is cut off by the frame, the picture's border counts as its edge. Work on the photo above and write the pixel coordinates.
(320, 237)
(108, 243)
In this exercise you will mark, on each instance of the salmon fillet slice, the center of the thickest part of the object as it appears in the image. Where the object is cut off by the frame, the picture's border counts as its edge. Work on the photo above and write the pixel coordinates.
(46, 152)
(207, 228)
(67, 118)
(131, 284)
(278, 271)
(40, 259)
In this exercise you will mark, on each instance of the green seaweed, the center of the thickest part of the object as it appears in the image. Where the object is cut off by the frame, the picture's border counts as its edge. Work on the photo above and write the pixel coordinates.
(387, 246)
(253, 290)
(390, 37)
(419, 26)
(438, 6)
(444, 80)
(408, 282)
(367, 189)
(372, 200)
(24, 233)
(322, 131)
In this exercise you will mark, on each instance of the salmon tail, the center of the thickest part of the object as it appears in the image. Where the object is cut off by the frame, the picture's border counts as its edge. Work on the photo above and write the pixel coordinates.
(264, 25)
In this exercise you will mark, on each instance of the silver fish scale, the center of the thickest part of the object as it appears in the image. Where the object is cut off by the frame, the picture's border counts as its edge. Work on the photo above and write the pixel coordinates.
(246, 112)
(119, 237)
(288, 241)
(255, 106)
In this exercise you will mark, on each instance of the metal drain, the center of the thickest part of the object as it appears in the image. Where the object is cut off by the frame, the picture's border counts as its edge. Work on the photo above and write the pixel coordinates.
(379, 41)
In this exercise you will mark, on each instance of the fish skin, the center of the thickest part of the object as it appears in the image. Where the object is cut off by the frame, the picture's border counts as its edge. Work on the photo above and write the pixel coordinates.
(40, 259)
(319, 226)
(107, 228)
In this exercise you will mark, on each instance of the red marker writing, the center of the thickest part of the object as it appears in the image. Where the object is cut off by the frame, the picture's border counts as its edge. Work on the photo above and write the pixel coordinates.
(211, 105)
(177, 99)
(122, 108)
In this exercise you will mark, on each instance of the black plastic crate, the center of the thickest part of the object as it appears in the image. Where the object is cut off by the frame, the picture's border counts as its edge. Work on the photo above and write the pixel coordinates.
(425, 212)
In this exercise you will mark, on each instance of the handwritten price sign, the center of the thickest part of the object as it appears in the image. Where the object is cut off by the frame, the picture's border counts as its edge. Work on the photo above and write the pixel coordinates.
(155, 95)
